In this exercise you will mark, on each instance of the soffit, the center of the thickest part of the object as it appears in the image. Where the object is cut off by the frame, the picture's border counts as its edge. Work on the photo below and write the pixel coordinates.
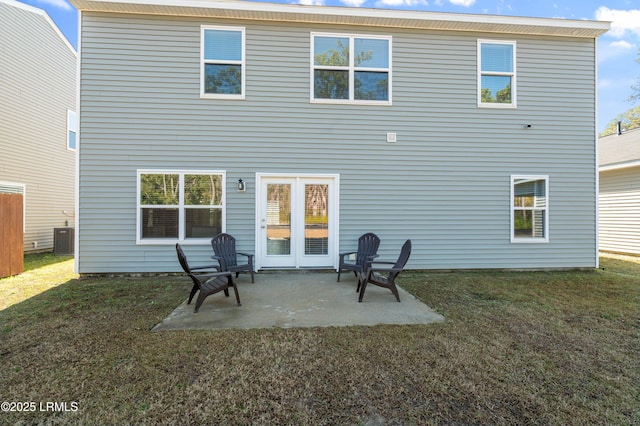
(350, 16)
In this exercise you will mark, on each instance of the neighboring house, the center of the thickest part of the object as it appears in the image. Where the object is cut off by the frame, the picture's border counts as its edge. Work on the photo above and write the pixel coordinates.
(619, 202)
(298, 128)
(38, 90)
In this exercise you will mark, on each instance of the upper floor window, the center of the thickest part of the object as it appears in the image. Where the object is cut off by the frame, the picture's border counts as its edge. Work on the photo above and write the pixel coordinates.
(496, 74)
(350, 69)
(179, 205)
(222, 73)
(529, 209)
(72, 130)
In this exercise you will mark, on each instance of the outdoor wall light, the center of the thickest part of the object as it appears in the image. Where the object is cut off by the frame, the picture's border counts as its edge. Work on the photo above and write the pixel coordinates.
(241, 186)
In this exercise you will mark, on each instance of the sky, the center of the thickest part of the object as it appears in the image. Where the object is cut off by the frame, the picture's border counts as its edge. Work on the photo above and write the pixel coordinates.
(618, 49)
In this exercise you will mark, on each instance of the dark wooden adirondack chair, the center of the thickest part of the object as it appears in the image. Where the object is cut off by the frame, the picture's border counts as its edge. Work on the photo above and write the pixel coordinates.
(207, 283)
(224, 247)
(367, 248)
(385, 277)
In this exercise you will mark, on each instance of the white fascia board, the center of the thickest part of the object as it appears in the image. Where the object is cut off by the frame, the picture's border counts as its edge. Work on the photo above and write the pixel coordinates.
(619, 166)
(351, 16)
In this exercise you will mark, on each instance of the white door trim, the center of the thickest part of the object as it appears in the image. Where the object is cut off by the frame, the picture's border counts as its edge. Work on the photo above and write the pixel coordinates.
(333, 214)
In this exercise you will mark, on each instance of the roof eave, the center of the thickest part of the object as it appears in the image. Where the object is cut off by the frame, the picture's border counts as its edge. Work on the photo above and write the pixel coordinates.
(47, 18)
(618, 166)
(350, 16)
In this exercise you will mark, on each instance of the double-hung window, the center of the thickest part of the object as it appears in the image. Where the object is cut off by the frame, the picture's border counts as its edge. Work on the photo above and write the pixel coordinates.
(529, 209)
(350, 68)
(72, 130)
(179, 205)
(496, 74)
(222, 62)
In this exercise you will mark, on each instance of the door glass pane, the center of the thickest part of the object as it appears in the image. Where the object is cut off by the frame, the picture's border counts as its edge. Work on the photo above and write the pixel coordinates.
(316, 219)
(278, 219)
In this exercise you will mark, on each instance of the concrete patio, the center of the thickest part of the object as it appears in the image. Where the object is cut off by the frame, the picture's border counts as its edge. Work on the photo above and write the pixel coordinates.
(299, 299)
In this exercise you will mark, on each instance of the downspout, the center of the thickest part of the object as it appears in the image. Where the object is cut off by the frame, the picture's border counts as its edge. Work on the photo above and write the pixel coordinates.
(76, 242)
(597, 158)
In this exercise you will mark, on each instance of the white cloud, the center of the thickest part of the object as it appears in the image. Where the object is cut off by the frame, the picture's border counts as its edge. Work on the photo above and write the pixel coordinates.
(610, 84)
(400, 3)
(312, 2)
(623, 21)
(623, 45)
(465, 3)
(353, 3)
(502, 6)
(607, 51)
(60, 4)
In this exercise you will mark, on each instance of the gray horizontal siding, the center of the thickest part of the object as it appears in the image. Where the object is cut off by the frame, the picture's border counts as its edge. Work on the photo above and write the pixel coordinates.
(444, 184)
(619, 210)
(37, 87)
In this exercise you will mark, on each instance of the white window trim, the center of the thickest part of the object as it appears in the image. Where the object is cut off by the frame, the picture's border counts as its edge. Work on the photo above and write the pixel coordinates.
(242, 64)
(181, 207)
(71, 113)
(513, 75)
(351, 68)
(515, 239)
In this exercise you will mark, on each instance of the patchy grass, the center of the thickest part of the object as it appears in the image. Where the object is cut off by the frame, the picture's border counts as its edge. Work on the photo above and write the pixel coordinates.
(39, 260)
(41, 273)
(517, 348)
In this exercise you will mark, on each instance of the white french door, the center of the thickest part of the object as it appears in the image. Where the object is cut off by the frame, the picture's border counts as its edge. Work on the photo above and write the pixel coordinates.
(297, 219)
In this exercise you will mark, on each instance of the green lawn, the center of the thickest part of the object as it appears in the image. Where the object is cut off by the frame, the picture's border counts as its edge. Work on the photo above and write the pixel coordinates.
(41, 272)
(551, 348)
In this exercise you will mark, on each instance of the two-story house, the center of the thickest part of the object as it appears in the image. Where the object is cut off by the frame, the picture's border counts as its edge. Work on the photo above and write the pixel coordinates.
(38, 124)
(298, 128)
(619, 202)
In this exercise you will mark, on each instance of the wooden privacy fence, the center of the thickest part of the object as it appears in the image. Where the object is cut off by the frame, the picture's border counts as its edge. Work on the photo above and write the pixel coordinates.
(11, 235)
